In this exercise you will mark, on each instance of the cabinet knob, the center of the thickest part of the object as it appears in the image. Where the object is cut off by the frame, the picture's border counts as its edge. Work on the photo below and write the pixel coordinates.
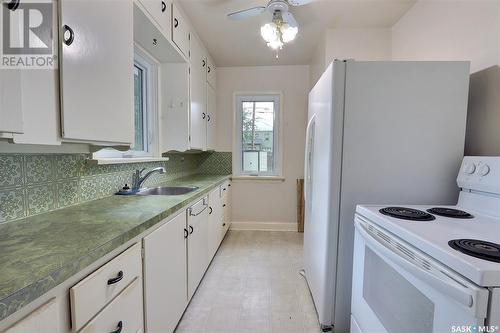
(118, 327)
(176, 23)
(223, 224)
(163, 6)
(224, 205)
(116, 279)
(68, 35)
(13, 4)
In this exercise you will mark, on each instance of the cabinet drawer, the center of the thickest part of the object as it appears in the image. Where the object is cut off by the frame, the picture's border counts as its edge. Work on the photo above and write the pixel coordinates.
(91, 294)
(124, 311)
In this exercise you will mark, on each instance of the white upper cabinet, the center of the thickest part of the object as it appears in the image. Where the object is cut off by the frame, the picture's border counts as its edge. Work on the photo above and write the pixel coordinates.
(211, 118)
(97, 95)
(161, 12)
(198, 127)
(11, 114)
(180, 31)
(211, 72)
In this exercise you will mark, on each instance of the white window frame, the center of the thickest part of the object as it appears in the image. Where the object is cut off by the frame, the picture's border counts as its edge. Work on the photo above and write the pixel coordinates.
(239, 98)
(150, 67)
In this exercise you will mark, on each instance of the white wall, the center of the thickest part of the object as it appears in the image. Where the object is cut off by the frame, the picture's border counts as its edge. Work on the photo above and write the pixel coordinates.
(449, 30)
(264, 201)
(359, 44)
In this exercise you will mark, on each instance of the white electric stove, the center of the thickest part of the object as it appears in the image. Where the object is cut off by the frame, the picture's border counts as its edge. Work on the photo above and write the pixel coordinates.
(431, 268)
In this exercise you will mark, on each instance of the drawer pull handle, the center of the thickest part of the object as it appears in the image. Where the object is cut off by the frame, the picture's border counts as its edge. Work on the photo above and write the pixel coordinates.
(116, 279)
(68, 35)
(186, 233)
(163, 6)
(176, 23)
(13, 4)
(211, 210)
(191, 229)
(118, 327)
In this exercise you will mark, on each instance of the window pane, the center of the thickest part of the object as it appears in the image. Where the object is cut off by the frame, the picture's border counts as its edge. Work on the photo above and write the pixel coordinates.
(139, 108)
(258, 137)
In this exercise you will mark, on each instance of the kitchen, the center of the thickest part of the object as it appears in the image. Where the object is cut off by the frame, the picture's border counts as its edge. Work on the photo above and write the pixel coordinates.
(203, 121)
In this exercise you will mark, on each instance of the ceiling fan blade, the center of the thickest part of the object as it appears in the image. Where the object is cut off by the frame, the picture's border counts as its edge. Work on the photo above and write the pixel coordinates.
(299, 2)
(288, 18)
(243, 14)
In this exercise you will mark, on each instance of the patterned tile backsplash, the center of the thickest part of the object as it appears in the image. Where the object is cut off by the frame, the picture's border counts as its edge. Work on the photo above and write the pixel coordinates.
(37, 183)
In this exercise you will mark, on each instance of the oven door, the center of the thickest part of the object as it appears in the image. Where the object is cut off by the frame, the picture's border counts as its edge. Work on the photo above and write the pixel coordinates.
(397, 288)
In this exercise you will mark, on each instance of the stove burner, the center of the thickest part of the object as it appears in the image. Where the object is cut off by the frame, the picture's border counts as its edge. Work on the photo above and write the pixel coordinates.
(407, 214)
(450, 212)
(477, 248)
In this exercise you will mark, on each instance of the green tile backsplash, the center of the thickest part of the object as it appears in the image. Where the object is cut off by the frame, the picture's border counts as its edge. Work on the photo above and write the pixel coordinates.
(31, 184)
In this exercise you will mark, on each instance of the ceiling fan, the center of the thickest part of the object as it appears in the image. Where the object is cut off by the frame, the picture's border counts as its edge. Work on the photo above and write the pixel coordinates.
(282, 29)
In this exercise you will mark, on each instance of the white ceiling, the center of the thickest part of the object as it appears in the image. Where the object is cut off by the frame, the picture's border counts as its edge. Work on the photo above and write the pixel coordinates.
(238, 43)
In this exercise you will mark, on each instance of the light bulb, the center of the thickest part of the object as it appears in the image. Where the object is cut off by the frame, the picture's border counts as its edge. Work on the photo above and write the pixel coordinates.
(269, 32)
(288, 33)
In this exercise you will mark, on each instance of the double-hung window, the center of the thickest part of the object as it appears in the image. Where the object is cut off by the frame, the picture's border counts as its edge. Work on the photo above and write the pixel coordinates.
(258, 135)
(145, 92)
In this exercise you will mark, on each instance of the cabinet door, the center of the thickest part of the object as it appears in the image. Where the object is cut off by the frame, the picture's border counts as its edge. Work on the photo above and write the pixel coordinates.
(11, 114)
(165, 279)
(161, 12)
(174, 112)
(180, 31)
(198, 124)
(211, 119)
(198, 258)
(97, 70)
(211, 72)
(42, 320)
(214, 221)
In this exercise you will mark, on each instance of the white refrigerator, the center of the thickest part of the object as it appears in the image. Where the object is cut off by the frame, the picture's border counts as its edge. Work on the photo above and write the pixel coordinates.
(377, 133)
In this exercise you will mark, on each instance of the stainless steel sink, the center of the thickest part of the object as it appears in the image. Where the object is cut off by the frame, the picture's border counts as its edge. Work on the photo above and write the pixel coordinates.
(167, 190)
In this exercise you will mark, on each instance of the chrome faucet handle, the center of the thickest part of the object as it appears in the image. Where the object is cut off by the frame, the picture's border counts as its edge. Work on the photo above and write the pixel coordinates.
(141, 171)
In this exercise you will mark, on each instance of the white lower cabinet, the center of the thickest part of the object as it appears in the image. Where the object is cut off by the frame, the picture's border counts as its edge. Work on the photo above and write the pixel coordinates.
(123, 315)
(165, 275)
(42, 320)
(214, 220)
(198, 258)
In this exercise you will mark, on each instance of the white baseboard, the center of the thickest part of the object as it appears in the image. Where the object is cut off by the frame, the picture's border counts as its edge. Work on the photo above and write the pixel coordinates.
(264, 226)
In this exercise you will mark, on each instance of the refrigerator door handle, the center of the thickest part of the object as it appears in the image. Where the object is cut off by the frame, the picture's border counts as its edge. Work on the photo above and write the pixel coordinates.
(306, 158)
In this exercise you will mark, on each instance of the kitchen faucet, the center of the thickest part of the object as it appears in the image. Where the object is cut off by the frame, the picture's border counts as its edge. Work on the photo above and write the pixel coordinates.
(139, 180)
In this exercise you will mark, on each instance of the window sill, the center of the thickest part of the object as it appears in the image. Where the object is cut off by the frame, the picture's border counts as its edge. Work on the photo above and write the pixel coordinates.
(125, 160)
(258, 178)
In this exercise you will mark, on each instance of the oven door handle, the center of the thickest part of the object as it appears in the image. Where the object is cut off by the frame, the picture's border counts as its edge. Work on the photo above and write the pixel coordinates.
(456, 291)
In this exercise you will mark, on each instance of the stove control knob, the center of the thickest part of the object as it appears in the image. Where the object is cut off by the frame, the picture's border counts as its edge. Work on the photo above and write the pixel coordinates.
(469, 168)
(484, 170)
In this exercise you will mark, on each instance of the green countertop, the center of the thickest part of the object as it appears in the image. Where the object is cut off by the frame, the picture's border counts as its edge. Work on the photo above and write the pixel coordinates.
(40, 252)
